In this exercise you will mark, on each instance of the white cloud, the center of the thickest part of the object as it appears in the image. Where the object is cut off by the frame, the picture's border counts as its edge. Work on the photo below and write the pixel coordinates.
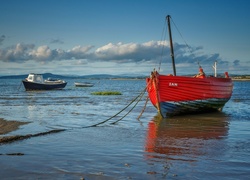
(120, 52)
(78, 52)
(41, 53)
(132, 54)
(17, 53)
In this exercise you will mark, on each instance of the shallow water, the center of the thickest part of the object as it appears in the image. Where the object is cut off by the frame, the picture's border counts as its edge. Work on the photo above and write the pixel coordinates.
(207, 146)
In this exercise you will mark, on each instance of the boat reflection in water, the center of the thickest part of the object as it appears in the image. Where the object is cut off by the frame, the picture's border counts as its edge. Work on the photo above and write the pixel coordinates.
(186, 138)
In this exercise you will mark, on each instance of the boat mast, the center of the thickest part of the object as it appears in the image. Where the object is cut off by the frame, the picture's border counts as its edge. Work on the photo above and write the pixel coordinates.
(171, 44)
(215, 69)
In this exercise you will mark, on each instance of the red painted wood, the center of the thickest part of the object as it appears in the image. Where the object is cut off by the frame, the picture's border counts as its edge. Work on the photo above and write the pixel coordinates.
(162, 88)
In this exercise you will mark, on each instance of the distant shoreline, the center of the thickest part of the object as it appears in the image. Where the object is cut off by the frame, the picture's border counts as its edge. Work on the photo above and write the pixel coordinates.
(242, 79)
(109, 77)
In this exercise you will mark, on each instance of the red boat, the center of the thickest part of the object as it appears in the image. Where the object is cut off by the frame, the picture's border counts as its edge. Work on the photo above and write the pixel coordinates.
(174, 95)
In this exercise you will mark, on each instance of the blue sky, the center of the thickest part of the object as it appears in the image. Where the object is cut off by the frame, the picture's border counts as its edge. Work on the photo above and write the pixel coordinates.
(82, 37)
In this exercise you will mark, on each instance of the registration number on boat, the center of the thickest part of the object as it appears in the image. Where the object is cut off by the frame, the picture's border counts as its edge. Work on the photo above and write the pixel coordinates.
(173, 84)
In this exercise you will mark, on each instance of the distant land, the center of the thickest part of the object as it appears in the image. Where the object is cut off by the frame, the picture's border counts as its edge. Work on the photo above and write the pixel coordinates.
(241, 78)
(105, 76)
(94, 76)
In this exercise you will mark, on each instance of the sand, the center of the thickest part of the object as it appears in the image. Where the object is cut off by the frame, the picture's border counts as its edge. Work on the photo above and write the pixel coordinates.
(8, 126)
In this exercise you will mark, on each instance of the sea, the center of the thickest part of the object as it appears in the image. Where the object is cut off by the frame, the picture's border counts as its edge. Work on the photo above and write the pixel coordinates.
(139, 145)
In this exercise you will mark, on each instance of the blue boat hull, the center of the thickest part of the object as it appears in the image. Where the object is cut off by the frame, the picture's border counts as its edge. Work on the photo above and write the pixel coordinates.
(43, 86)
(183, 107)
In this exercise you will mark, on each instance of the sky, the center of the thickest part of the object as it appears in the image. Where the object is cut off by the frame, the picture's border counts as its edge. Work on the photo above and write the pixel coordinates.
(83, 37)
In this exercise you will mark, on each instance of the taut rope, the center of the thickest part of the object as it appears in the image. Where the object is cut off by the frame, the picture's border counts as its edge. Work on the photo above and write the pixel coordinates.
(140, 95)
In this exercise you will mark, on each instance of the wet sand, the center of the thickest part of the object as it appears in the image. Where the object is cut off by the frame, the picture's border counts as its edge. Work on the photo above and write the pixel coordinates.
(8, 126)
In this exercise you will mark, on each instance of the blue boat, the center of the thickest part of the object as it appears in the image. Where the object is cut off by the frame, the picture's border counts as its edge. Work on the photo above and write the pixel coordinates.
(36, 82)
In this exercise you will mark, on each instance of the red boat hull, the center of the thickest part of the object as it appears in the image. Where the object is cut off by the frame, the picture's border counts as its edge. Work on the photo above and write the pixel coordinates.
(173, 95)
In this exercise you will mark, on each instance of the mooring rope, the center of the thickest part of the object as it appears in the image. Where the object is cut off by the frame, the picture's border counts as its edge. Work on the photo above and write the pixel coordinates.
(94, 125)
(141, 95)
(143, 108)
(19, 86)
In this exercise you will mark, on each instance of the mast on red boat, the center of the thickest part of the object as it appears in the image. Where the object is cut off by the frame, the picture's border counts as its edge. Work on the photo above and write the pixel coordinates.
(171, 44)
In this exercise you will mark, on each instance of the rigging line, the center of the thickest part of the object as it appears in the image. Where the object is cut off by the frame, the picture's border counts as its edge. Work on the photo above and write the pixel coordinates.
(94, 125)
(163, 37)
(131, 108)
(189, 48)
